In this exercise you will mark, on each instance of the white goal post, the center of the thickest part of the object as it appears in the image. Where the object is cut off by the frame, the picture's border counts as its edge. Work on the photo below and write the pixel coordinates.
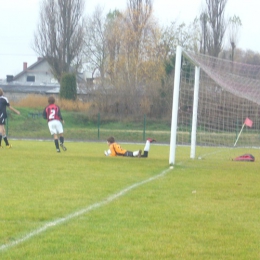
(175, 104)
(216, 103)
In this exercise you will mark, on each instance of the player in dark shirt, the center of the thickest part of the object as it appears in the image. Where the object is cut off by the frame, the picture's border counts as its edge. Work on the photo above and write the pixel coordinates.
(3, 117)
(54, 118)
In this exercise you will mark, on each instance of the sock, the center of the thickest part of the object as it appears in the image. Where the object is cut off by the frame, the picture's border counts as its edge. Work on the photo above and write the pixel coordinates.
(147, 146)
(61, 139)
(56, 144)
(135, 153)
(5, 139)
(145, 154)
(146, 149)
(0, 139)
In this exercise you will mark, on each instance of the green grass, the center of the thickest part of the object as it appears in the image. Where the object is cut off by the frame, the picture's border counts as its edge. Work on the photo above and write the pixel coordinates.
(79, 127)
(202, 209)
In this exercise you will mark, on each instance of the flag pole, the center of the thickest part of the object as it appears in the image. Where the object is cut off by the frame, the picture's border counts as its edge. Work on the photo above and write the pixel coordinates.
(239, 134)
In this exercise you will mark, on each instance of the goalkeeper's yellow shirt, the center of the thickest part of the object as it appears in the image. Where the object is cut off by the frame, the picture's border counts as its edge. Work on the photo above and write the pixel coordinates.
(116, 149)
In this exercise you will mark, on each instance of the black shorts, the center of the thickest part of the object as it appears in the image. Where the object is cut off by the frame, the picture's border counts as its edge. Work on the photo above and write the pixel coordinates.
(129, 154)
(2, 121)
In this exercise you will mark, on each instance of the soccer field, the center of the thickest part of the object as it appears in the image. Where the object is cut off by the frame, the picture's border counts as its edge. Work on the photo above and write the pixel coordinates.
(80, 204)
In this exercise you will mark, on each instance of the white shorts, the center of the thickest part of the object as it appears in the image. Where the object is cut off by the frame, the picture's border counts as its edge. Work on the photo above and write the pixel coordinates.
(55, 127)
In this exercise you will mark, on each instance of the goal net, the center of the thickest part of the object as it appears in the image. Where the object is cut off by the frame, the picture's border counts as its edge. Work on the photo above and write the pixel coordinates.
(216, 103)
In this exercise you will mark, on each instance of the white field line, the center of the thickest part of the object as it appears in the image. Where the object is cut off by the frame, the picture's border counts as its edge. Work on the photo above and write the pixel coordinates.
(80, 212)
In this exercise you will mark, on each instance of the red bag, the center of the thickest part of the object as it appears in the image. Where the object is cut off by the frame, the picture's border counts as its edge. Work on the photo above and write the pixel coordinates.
(245, 158)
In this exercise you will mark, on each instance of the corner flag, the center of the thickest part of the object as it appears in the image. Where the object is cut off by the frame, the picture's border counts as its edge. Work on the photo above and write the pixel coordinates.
(248, 122)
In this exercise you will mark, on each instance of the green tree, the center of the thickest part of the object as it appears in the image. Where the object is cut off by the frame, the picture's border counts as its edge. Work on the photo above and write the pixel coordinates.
(68, 86)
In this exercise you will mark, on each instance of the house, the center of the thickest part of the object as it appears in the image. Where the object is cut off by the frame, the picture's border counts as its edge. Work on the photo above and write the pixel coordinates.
(38, 79)
(38, 73)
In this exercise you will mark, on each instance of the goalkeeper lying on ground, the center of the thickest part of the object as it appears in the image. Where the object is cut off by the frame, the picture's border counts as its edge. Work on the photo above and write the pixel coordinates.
(116, 150)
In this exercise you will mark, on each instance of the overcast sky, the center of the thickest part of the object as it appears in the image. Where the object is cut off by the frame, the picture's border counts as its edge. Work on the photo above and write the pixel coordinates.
(19, 18)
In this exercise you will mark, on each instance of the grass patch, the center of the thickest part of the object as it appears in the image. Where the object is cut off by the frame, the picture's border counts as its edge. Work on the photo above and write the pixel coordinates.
(202, 209)
(79, 126)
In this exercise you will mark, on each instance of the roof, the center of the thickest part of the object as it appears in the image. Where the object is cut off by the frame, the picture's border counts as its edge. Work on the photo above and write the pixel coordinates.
(16, 86)
(39, 61)
(35, 88)
(32, 88)
(79, 76)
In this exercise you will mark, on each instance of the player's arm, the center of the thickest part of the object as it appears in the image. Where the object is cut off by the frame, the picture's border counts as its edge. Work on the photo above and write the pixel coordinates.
(44, 113)
(107, 152)
(60, 116)
(14, 110)
(118, 150)
(112, 150)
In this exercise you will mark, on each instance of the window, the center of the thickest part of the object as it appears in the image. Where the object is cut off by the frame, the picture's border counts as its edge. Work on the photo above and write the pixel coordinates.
(30, 79)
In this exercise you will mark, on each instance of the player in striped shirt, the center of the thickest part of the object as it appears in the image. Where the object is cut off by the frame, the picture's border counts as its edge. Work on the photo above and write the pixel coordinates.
(54, 118)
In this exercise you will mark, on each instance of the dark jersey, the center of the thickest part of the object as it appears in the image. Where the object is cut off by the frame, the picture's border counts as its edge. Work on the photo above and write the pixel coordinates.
(3, 104)
(52, 112)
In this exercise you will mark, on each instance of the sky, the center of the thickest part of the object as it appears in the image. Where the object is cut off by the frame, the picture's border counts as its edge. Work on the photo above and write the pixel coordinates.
(19, 19)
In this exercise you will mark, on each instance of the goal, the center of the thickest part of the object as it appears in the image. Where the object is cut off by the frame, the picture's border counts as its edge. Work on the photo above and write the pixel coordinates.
(216, 103)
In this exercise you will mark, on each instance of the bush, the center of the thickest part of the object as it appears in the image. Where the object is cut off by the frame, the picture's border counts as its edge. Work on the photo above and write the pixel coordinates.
(68, 86)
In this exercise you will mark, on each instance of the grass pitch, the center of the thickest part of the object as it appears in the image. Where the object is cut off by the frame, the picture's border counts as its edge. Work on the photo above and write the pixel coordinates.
(80, 204)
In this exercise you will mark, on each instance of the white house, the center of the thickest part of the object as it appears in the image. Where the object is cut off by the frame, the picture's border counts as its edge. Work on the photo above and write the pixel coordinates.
(39, 73)
(38, 79)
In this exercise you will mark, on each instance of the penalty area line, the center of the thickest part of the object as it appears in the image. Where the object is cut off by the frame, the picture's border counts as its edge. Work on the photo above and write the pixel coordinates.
(80, 212)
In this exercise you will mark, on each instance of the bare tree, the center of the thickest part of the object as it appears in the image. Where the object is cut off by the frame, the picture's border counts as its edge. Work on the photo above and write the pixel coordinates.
(95, 50)
(59, 36)
(175, 34)
(138, 14)
(204, 30)
(215, 11)
(234, 26)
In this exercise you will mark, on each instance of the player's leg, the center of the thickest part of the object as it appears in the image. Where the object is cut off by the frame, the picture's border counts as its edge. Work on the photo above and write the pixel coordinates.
(147, 147)
(133, 154)
(56, 142)
(3, 135)
(60, 131)
(62, 142)
(53, 131)
(138, 153)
